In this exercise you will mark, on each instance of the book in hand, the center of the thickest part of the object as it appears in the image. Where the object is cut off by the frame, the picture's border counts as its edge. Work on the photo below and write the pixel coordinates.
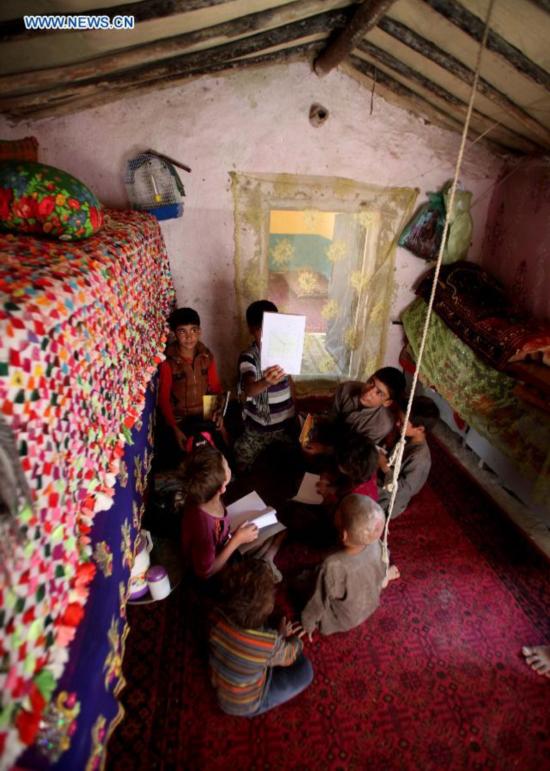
(307, 492)
(252, 508)
(215, 405)
(307, 429)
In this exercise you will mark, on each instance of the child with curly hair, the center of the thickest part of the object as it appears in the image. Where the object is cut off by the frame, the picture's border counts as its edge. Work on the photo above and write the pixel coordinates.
(253, 667)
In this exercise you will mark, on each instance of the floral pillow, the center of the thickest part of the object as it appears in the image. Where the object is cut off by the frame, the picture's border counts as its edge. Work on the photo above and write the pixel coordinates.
(40, 199)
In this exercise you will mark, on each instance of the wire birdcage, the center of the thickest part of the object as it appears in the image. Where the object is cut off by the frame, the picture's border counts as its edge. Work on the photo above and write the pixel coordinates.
(154, 185)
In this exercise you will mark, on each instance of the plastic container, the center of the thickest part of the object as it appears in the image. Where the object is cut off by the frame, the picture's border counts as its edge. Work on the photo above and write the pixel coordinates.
(137, 588)
(158, 582)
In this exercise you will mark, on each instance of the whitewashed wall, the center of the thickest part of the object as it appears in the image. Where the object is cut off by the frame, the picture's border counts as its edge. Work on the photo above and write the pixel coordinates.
(257, 121)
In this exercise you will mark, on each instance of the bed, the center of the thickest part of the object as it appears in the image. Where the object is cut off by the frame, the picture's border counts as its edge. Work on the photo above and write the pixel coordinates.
(82, 331)
(488, 361)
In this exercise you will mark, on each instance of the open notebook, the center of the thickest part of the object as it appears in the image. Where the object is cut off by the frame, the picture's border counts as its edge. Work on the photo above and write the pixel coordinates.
(251, 508)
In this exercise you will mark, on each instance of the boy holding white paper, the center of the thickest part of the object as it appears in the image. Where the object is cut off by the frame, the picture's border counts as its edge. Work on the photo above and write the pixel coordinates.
(268, 412)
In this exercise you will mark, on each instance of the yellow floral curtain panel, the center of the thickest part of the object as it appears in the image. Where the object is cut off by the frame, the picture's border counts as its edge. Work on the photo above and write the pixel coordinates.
(323, 247)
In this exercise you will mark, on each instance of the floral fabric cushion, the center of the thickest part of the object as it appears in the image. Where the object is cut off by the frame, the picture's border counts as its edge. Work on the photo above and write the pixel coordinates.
(40, 199)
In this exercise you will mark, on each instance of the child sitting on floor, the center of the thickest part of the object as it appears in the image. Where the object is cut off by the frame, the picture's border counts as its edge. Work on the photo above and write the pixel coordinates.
(351, 470)
(361, 408)
(357, 460)
(254, 668)
(349, 582)
(207, 543)
(417, 460)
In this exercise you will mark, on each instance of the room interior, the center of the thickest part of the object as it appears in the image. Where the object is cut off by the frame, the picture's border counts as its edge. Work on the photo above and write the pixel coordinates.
(298, 139)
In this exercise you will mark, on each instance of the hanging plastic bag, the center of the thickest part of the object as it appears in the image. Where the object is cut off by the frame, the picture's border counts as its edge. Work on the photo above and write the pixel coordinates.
(422, 236)
(460, 226)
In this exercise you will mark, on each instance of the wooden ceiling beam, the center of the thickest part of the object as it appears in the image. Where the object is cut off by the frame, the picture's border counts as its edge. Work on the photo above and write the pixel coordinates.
(407, 99)
(435, 54)
(102, 97)
(180, 65)
(38, 80)
(142, 10)
(474, 27)
(367, 16)
(458, 105)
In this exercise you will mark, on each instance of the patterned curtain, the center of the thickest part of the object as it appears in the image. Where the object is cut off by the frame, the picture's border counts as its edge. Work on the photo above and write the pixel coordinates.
(323, 247)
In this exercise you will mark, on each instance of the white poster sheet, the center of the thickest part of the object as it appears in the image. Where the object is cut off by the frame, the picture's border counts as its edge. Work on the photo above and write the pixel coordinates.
(283, 341)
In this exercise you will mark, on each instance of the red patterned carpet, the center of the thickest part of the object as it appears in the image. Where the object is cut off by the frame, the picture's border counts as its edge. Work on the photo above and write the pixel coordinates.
(434, 680)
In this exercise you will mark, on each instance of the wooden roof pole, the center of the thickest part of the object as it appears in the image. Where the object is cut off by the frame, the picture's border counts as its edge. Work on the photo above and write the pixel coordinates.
(367, 16)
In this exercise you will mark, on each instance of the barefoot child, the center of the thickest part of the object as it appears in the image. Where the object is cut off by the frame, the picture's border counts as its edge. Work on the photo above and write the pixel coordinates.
(349, 583)
(253, 667)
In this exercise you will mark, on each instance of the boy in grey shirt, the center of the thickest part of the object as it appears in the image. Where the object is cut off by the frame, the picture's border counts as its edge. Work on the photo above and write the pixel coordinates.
(360, 408)
(349, 582)
(417, 460)
(364, 407)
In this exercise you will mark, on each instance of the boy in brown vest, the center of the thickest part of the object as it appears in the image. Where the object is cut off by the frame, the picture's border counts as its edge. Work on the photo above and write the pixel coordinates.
(187, 374)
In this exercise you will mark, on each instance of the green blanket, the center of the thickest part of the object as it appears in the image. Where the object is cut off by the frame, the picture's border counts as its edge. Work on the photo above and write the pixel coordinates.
(482, 396)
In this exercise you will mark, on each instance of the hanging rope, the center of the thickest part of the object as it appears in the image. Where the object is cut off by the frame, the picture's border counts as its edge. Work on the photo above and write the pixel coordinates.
(397, 455)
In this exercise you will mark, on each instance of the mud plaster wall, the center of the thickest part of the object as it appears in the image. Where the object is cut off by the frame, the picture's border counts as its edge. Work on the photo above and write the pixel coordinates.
(257, 121)
(517, 239)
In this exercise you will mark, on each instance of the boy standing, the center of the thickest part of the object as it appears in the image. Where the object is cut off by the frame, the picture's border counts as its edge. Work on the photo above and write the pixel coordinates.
(268, 411)
(417, 460)
(349, 583)
(187, 374)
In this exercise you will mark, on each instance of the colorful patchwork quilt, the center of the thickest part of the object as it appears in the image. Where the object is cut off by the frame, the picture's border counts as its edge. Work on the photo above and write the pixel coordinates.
(82, 329)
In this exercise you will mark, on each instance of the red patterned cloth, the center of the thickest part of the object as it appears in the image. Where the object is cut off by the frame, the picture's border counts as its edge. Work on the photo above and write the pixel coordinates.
(475, 307)
(433, 680)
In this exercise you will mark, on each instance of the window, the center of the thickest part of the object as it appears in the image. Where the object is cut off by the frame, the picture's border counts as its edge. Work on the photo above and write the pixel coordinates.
(322, 247)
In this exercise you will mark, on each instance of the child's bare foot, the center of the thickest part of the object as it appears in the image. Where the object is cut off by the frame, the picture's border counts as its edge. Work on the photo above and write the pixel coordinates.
(538, 658)
(393, 573)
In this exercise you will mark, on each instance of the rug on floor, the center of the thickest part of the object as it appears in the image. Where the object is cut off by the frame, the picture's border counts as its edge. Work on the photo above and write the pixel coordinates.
(434, 679)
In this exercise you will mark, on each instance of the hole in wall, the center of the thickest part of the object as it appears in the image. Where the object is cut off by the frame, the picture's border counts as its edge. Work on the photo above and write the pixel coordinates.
(318, 115)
